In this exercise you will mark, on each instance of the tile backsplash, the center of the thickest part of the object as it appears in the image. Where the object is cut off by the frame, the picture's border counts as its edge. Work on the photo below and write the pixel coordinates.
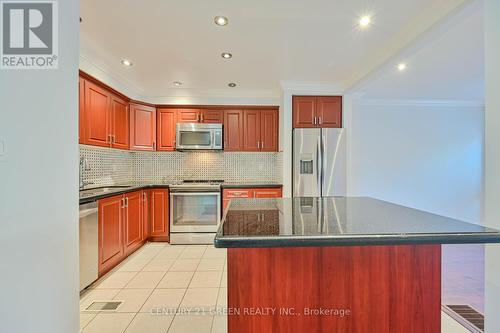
(111, 166)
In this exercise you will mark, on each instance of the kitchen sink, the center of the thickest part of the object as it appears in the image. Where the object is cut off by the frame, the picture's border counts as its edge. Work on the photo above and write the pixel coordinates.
(104, 189)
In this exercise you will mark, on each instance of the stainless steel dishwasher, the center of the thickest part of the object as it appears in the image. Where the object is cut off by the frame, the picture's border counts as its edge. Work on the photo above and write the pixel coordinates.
(89, 256)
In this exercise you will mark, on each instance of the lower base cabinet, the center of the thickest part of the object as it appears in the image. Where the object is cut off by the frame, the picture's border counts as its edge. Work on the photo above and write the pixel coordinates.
(159, 219)
(237, 193)
(127, 221)
(110, 233)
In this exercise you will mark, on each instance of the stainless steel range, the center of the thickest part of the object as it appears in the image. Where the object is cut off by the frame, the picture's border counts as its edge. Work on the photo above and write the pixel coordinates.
(195, 211)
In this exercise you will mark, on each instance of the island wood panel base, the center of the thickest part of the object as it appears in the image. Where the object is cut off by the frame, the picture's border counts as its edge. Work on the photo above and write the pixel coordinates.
(384, 289)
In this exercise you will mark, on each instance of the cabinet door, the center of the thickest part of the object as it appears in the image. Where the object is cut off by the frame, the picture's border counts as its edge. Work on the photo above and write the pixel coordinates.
(166, 130)
(159, 215)
(212, 116)
(110, 234)
(267, 193)
(233, 130)
(97, 115)
(251, 130)
(132, 221)
(269, 130)
(329, 111)
(228, 194)
(119, 123)
(188, 115)
(145, 215)
(304, 111)
(142, 127)
(81, 109)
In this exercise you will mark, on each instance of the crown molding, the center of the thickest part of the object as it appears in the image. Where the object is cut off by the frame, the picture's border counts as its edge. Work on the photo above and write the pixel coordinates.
(423, 103)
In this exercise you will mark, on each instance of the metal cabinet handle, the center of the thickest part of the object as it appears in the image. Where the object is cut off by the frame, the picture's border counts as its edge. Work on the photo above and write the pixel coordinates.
(319, 120)
(126, 202)
(123, 202)
(154, 145)
(143, 196)
(262, 145)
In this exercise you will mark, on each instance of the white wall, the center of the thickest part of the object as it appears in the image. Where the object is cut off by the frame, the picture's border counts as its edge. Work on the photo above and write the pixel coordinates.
(427, 156)
(39, 191)
(492, 161)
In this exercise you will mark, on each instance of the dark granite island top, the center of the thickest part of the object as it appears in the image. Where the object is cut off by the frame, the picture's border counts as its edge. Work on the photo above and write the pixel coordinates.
(331, 221)
(338, 264)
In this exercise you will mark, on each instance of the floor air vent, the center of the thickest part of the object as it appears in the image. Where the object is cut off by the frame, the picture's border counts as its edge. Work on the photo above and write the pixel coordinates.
(466, 316)
(104, 306)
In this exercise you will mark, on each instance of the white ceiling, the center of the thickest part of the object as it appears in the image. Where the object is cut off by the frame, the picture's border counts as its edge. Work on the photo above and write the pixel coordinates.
(271, 41)
(449, 66)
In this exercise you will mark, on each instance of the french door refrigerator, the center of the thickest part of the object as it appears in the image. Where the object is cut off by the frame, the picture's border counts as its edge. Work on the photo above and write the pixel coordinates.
(319, 162)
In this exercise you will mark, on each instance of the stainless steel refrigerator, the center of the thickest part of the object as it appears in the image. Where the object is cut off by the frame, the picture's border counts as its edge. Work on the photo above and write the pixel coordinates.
(319, 162)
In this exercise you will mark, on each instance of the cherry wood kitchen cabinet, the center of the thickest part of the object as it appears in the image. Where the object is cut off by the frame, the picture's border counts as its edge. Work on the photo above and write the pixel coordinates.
(238, 193)
(119, 123)
(96, 115)
(110, 233)
(104, 116)
(81, 107)
(166, 129)
(159, 219)
(260, 128)
(251, 130)
(188, 115)
(133, 221)
(200, 116)
(146, 233)
(212, 116)
(317, 111)
(233, 130)
(329, 111)
(269, 130)
(267, 193)
(142, 127)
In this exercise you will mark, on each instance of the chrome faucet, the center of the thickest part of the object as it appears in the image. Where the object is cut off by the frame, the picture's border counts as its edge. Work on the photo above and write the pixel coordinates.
(84, 166)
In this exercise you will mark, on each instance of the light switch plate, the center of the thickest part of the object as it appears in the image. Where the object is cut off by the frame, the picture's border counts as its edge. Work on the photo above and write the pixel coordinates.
(2, 147)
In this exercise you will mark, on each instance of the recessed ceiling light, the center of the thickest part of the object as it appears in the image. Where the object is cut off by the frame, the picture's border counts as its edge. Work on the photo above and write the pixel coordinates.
(177, 83)
(402, 67)
(232, 84)
(126, 62)
(365, 21)
(221, 20)
(226, 55)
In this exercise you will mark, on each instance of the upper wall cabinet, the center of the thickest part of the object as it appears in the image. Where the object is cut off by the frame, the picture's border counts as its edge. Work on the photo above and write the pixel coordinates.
(142, 127)
(233, 130)
(165, 131)
(317, 111)
(199, 116)
(104, 117)
(251, 130)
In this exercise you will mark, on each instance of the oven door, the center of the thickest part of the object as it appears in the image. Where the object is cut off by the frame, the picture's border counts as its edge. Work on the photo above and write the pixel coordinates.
(194, 211)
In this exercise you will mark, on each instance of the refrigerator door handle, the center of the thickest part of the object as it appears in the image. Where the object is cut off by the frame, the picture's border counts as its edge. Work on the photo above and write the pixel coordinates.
(319, 163)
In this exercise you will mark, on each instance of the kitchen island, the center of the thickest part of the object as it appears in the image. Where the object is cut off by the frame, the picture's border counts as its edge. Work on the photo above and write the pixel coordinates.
(336, 264)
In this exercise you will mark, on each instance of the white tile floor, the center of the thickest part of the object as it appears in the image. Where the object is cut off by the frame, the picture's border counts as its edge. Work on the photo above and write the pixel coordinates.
(155, 282)
(161, 279)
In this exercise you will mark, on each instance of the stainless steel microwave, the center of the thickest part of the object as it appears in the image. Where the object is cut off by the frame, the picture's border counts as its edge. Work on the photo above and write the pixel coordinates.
(194, 136)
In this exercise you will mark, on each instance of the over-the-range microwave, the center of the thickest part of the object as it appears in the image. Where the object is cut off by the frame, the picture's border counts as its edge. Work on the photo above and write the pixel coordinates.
(194, 136)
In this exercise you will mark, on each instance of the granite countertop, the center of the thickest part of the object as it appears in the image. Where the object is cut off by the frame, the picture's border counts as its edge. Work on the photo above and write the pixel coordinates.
(339, 221)
(93, 194)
